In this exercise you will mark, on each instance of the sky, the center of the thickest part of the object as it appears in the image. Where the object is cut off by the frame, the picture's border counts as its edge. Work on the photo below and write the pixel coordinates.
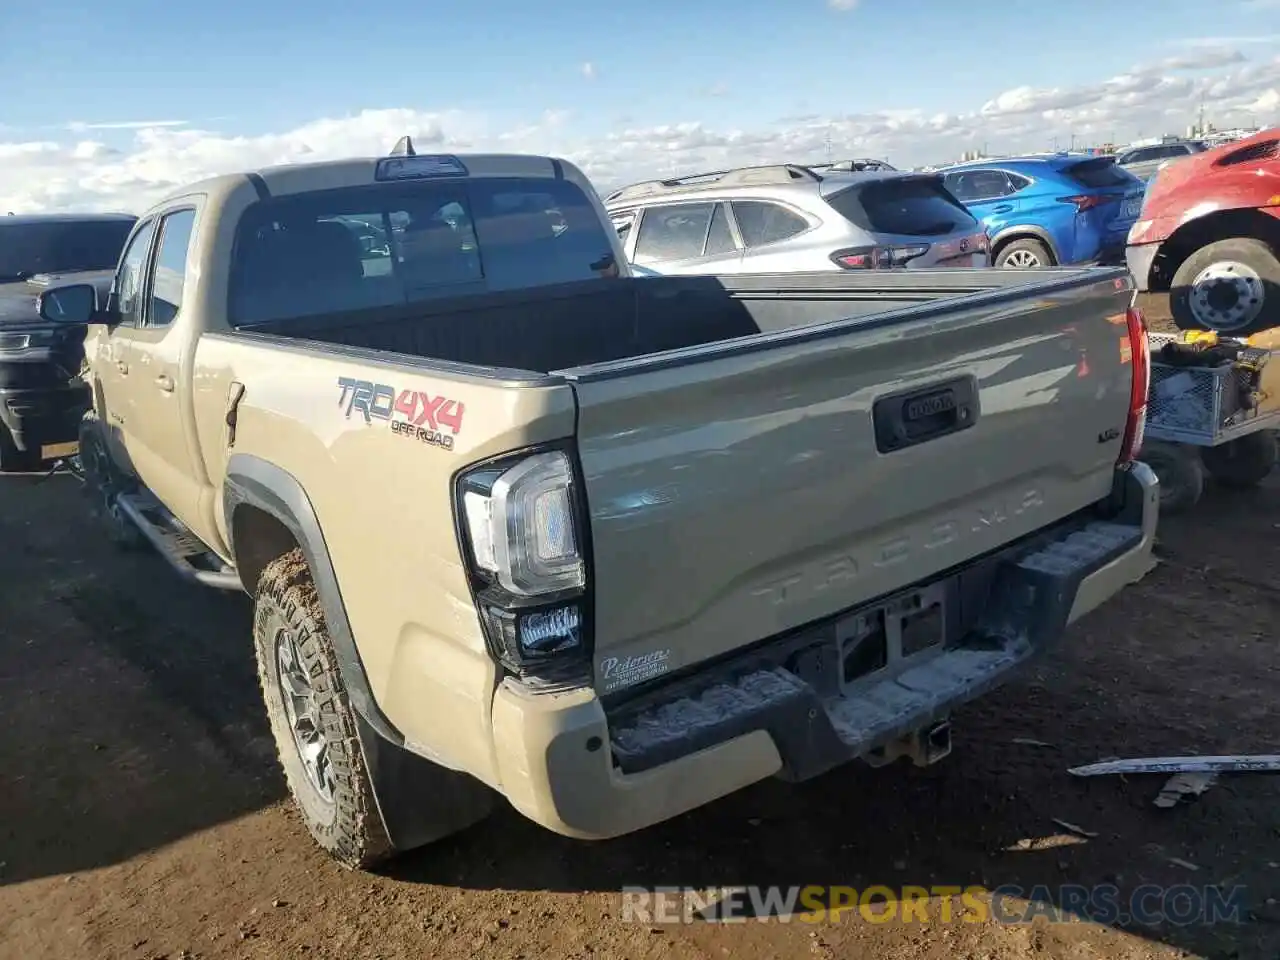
(111, 110)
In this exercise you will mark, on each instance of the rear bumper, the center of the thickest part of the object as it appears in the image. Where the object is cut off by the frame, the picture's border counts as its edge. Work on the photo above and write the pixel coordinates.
(1138, 259)
(584, 769)
(41, 417)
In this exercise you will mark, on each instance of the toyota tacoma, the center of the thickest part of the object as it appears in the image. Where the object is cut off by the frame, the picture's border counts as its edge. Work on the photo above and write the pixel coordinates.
(516, 524)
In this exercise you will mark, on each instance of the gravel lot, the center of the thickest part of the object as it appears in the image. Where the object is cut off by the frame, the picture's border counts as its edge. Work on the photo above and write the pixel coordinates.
(142, 816)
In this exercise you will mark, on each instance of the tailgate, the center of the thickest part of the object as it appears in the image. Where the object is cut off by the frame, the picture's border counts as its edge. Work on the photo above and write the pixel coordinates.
(740, 491)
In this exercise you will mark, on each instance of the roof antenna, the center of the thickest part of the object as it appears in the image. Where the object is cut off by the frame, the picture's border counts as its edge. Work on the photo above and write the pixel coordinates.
(403, 148)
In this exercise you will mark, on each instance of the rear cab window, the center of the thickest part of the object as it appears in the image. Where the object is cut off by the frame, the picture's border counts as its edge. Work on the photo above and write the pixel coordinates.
(905, 206)
(63, 246)
(397, 243)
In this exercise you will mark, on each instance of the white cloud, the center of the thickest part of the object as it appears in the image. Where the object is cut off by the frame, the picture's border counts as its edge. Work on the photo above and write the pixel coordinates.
(79, 126)
(589, 70)
(123, 168)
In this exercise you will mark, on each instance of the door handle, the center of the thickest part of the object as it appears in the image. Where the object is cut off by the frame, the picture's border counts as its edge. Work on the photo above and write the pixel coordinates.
(1003, 208)
(165, 383)
(122, 366)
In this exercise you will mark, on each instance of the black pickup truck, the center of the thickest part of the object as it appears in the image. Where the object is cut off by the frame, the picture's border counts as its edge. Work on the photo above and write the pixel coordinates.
(42, 396)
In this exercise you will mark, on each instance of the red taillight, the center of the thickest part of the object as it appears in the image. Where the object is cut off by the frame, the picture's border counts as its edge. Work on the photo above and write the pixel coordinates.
(1140, 358)
(878, 258)
(1085, 201)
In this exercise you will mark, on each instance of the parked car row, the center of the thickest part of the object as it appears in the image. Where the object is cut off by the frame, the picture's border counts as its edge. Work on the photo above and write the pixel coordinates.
(1205, 229)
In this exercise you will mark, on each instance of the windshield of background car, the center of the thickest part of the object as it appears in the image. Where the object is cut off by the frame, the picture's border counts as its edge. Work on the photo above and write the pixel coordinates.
(63, 246)
(390, 244)
(1100, 172)
(910, 207)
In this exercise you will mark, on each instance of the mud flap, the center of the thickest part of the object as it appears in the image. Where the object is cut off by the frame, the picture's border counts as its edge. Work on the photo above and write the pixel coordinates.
(419, 801)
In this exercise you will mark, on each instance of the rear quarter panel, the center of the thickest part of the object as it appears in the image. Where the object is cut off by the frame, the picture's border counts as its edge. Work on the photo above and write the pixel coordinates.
(383, 500)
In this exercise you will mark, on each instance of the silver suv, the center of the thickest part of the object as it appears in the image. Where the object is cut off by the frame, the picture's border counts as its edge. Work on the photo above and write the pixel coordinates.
(789, 218)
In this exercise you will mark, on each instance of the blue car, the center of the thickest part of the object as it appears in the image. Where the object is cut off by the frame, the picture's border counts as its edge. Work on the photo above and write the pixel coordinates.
(1053, 210)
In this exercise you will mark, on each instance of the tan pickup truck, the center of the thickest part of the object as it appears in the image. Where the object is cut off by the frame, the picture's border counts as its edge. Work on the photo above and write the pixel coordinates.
(518, 523)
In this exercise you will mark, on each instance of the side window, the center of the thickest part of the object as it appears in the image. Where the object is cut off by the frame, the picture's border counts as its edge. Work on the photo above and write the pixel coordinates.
(720, 237)
(128, 283)
(170, 267)
(674, 232)
(983, 185)
(1018, 183)
(762, 223)
(623, 221)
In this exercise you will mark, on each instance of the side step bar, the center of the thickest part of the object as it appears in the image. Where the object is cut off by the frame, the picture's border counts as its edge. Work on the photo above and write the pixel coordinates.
(184, 551)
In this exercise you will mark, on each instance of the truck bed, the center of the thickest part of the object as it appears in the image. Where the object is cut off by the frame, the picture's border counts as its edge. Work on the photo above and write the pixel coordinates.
(599, 321)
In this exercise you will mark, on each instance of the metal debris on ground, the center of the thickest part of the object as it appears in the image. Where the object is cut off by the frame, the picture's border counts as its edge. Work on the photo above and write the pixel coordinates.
(1072, 828)
(1237, 763)
(1184, 786)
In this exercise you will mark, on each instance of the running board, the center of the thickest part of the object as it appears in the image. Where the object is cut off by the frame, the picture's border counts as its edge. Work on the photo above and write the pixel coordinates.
(185, 551)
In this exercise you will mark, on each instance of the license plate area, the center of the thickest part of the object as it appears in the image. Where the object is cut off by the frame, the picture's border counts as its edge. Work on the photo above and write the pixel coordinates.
(1132, 209)
(890, 637)
(54, 451)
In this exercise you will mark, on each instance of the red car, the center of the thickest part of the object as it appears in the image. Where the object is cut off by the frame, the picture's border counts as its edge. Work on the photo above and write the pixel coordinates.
(1209, 234)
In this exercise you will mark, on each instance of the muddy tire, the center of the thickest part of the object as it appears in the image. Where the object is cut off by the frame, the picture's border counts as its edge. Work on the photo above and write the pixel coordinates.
(1023, 255)
(311, 717)
(1244, 462)
(103, 482)
(1180, 472)
(1231, 287)
(13, 460)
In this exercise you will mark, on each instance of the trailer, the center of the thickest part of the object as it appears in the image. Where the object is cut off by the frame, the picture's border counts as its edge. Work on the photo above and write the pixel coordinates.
(1213, 411)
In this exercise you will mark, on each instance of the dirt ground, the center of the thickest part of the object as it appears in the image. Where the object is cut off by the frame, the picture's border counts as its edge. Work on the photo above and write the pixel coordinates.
(142, 815)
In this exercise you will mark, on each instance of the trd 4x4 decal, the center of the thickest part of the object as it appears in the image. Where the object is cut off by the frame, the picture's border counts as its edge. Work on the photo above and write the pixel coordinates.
(411, 413)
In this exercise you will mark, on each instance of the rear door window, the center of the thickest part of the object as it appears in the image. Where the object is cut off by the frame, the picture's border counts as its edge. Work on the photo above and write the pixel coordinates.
(377, 246)
(906, 206)
(974, 185)
(676, 231)
(761, 222)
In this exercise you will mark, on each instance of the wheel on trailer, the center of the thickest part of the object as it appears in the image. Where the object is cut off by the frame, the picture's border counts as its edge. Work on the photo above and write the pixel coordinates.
(103, 483)
(1231, 287)
(1180, 472)
(1024, 255)
(1243, 462)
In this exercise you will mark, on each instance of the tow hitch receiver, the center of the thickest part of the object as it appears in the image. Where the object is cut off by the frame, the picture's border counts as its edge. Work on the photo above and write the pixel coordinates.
(925, 746)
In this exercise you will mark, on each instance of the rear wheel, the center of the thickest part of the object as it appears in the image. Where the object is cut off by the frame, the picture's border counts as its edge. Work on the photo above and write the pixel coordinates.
(311, 717)
(1244, 462)
(1230, 287)
(1180, 472)
(1024, 255)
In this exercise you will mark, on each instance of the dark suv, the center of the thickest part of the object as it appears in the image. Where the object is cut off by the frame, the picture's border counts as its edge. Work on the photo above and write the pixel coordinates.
(42, 396)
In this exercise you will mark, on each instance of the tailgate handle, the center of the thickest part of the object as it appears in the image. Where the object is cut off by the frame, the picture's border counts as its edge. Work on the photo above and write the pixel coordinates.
(906, 419)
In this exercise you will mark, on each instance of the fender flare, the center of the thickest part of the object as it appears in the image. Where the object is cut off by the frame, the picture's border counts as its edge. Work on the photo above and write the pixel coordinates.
(271, 489)
(1037, 232)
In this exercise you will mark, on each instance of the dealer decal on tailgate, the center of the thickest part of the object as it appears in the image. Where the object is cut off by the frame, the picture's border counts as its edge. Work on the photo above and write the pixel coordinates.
(411, 413)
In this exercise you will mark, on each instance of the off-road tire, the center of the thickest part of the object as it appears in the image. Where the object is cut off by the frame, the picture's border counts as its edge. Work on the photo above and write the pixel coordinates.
(13, 460)
(1181, 475)
(1253, 254)
(350, 829)
(103, 481)
(1033, 247)
(1244, 462)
